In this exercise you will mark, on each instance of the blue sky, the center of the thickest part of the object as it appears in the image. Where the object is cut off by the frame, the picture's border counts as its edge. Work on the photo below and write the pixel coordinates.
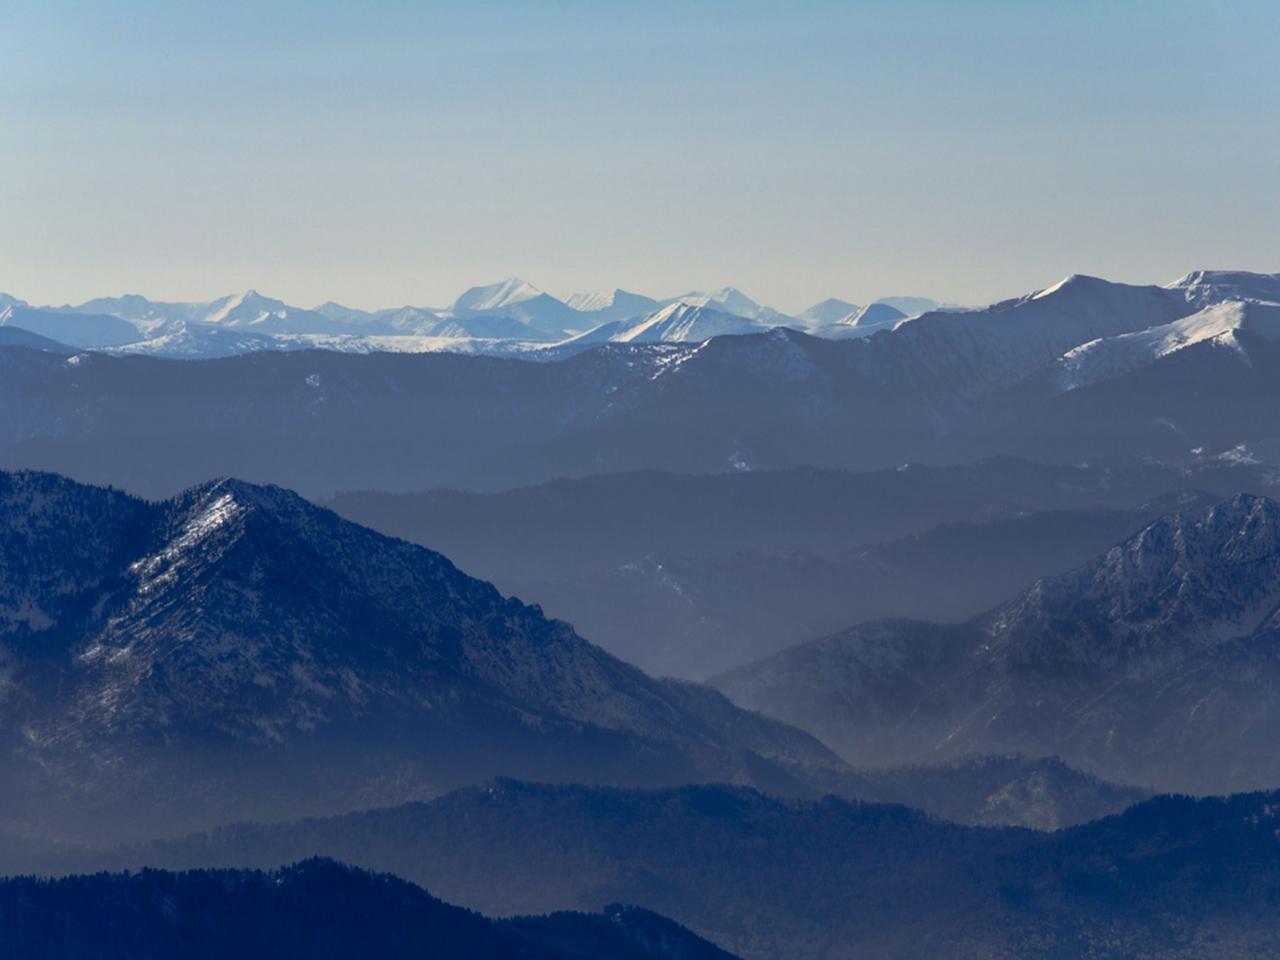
(394, 152)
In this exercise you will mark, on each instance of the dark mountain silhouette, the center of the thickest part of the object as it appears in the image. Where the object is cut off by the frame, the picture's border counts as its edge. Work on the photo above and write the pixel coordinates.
(311, 910)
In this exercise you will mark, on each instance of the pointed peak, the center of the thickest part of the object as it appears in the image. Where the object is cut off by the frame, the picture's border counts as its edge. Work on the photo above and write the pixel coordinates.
(494, 296)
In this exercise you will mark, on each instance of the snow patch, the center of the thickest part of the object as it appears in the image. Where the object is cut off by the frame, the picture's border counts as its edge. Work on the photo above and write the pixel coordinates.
(160, 568)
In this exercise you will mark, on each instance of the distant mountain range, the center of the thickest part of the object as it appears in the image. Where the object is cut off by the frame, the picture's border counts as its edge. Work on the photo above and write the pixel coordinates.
(237, 652)
(767, 878)
(1156, 663)
(503, 318)
(1083, 370)
(311, 909)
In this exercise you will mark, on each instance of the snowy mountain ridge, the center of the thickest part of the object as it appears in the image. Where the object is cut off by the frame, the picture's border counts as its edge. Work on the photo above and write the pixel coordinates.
(1080, 330)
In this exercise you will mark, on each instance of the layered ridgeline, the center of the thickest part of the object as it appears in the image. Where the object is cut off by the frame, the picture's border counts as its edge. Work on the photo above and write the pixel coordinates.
(1156, 663)
(313, 909)
(238, 652)
(693, 575)
(766, 878)
(1041, 794)
(511, 316)
(1085, 368)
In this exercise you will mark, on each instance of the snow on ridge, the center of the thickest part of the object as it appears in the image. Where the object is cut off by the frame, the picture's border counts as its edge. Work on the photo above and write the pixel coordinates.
(1075, 280)
(160, 568)
(684, 323)
(1215, 286)
(1049, 291)
(673, 360)
(1219, 323)
(591, 302)
(495, 296)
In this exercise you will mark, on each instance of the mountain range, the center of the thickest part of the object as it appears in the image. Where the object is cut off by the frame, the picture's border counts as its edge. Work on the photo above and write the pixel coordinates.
(511, 316)
(692, 575)
(767, 877)
(1038, 545)
(514, 316)
(238, 652)
(1156, 663)
(945, 387)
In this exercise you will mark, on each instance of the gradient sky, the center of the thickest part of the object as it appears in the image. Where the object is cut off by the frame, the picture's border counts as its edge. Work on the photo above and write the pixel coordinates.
(392, 152)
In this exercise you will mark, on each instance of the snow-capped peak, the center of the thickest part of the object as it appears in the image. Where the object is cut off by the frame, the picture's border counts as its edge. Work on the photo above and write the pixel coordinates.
(875, 315)
(247, 307)
(495, 296)
(678, 322)
(1214, 286)
(726, 300)
(1075, 280)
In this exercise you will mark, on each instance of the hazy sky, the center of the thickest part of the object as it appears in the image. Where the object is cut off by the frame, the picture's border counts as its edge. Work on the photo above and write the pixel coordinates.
(382, 153)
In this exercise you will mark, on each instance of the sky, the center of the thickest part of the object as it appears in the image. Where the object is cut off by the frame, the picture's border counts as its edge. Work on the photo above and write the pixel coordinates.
(384, 153)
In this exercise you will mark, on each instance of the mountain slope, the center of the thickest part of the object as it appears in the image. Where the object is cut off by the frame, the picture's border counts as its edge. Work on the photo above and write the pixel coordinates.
(148, 316)
(861, 323)
(876, 315)
(612, 305)
(309, 910)
(237, 652)
(252, 311)
(1156, 663)
(181, 339)
(725, 300)
(827, 311)
(1202, 287)
(1224, 325)
(676, 323)
(11, 336)
(75, 330)
(518, 300)
(911, 306)
(1044, 793)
